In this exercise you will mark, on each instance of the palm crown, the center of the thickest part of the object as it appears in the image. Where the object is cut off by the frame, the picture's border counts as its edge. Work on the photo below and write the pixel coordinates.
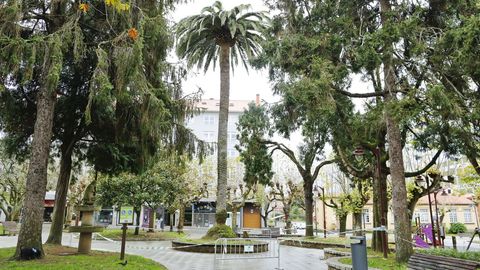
(200, 36)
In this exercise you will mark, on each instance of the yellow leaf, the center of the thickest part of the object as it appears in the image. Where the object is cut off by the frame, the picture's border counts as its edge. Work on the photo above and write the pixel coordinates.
(83, 7)
(110, 2)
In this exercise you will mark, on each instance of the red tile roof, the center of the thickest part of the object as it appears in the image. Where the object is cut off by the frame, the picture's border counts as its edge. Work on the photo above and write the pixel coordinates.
(446, 200)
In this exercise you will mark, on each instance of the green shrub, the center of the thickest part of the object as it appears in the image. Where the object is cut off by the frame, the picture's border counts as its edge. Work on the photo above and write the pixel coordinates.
(457, 228)
(220, 231)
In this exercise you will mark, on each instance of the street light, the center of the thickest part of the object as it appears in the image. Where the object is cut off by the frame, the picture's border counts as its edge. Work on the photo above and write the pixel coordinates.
(419, 181)
(358, 153)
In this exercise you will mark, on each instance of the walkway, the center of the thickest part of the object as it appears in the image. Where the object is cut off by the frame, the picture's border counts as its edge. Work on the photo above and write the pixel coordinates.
(292, 258)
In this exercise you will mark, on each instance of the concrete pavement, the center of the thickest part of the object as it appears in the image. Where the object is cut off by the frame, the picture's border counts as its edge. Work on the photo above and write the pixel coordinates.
(292, 258)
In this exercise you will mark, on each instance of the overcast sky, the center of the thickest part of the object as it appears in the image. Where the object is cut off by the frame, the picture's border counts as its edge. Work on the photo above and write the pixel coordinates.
(243, 85)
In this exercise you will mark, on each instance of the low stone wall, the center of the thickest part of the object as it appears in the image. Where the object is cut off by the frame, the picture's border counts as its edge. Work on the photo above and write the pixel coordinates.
(335, 264)
(210, 248)
(329, 253)
(309, 244)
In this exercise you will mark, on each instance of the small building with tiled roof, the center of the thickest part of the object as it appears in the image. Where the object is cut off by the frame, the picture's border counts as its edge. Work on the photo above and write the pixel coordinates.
(451, 209)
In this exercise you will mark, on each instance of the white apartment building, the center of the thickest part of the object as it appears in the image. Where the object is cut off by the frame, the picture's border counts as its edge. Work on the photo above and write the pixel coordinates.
(205, 124)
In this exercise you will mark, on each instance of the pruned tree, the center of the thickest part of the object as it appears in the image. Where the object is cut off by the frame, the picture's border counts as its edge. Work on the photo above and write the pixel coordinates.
(286, 192)
(256, 128)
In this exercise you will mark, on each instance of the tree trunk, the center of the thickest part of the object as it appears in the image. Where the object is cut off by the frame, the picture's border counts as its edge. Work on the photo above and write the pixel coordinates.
(30, 235)
(380, 202)
(357, 224)
(403, 237)
(151, 221)
(63, 183)
(234, 217)
(265, 219)
(171, 222)
(343, 225)
(181, 219)
(288, 223)
(221, 207)
(308, 192)
(137, 227)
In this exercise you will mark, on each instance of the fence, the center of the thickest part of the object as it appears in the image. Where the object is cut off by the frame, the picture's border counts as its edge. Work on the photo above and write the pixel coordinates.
(246, 249)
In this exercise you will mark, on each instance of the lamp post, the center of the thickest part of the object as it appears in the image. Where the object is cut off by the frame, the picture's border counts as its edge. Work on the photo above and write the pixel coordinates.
(439, 233)
(358, 153)
(419, 180)
(315, 214)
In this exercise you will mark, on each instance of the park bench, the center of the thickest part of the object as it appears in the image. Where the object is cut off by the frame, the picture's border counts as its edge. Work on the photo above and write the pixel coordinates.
(420, 261)
(10, 227)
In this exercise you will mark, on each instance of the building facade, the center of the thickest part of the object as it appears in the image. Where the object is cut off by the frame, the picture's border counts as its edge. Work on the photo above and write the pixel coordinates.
(205, 126)
(450, 209)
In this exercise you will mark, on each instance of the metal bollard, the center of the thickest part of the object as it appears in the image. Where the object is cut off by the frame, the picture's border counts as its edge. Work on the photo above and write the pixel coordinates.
(358, 245)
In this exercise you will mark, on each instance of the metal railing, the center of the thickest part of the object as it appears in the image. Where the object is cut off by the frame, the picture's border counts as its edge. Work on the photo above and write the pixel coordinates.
(246, 249)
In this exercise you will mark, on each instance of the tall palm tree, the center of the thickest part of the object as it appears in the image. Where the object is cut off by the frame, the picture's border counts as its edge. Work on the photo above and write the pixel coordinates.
(218, 33)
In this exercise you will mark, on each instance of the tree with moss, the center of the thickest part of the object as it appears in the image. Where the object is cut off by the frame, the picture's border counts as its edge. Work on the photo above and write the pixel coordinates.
(229, 36)
(105, 53)
(125, 40)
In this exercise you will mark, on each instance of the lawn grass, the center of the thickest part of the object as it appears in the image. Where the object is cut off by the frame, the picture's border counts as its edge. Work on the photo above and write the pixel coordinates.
(333, 240)
(65, 258)
(448, 252)
(376, 260)
(116, 234)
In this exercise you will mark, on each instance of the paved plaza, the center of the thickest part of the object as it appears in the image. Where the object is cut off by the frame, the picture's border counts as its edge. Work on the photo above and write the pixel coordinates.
(292, 258)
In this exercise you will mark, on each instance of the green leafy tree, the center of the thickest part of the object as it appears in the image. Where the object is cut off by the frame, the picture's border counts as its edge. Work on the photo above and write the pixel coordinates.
(113, 130)
(470, 180)
(256, 129)
(229, 36)
(12, 186)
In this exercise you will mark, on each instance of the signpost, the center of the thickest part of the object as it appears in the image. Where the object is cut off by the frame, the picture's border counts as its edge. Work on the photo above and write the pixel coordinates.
(126, 217)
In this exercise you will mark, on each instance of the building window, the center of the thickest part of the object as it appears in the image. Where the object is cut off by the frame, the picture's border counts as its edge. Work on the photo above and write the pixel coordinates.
(366, 216)
(232, 152)
(209, 119)
(467, 215)
(423, 215)
(453, 216)
(209, 136)
(232, 137)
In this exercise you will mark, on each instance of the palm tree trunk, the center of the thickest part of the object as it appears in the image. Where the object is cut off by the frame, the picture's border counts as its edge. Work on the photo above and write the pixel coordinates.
(63, 183)
(403, 243)
(30, 235)
(221, 207)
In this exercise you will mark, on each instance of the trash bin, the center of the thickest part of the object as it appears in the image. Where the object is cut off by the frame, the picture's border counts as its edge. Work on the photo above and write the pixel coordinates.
(358, 244)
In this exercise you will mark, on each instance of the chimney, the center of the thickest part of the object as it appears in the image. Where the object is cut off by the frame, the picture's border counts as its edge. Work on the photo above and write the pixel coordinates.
(257, 100)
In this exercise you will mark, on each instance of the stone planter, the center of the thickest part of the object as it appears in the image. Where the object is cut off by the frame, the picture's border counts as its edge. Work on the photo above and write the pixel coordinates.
(258, 247)
(309, 244)
(330, 253)
(335, 264)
